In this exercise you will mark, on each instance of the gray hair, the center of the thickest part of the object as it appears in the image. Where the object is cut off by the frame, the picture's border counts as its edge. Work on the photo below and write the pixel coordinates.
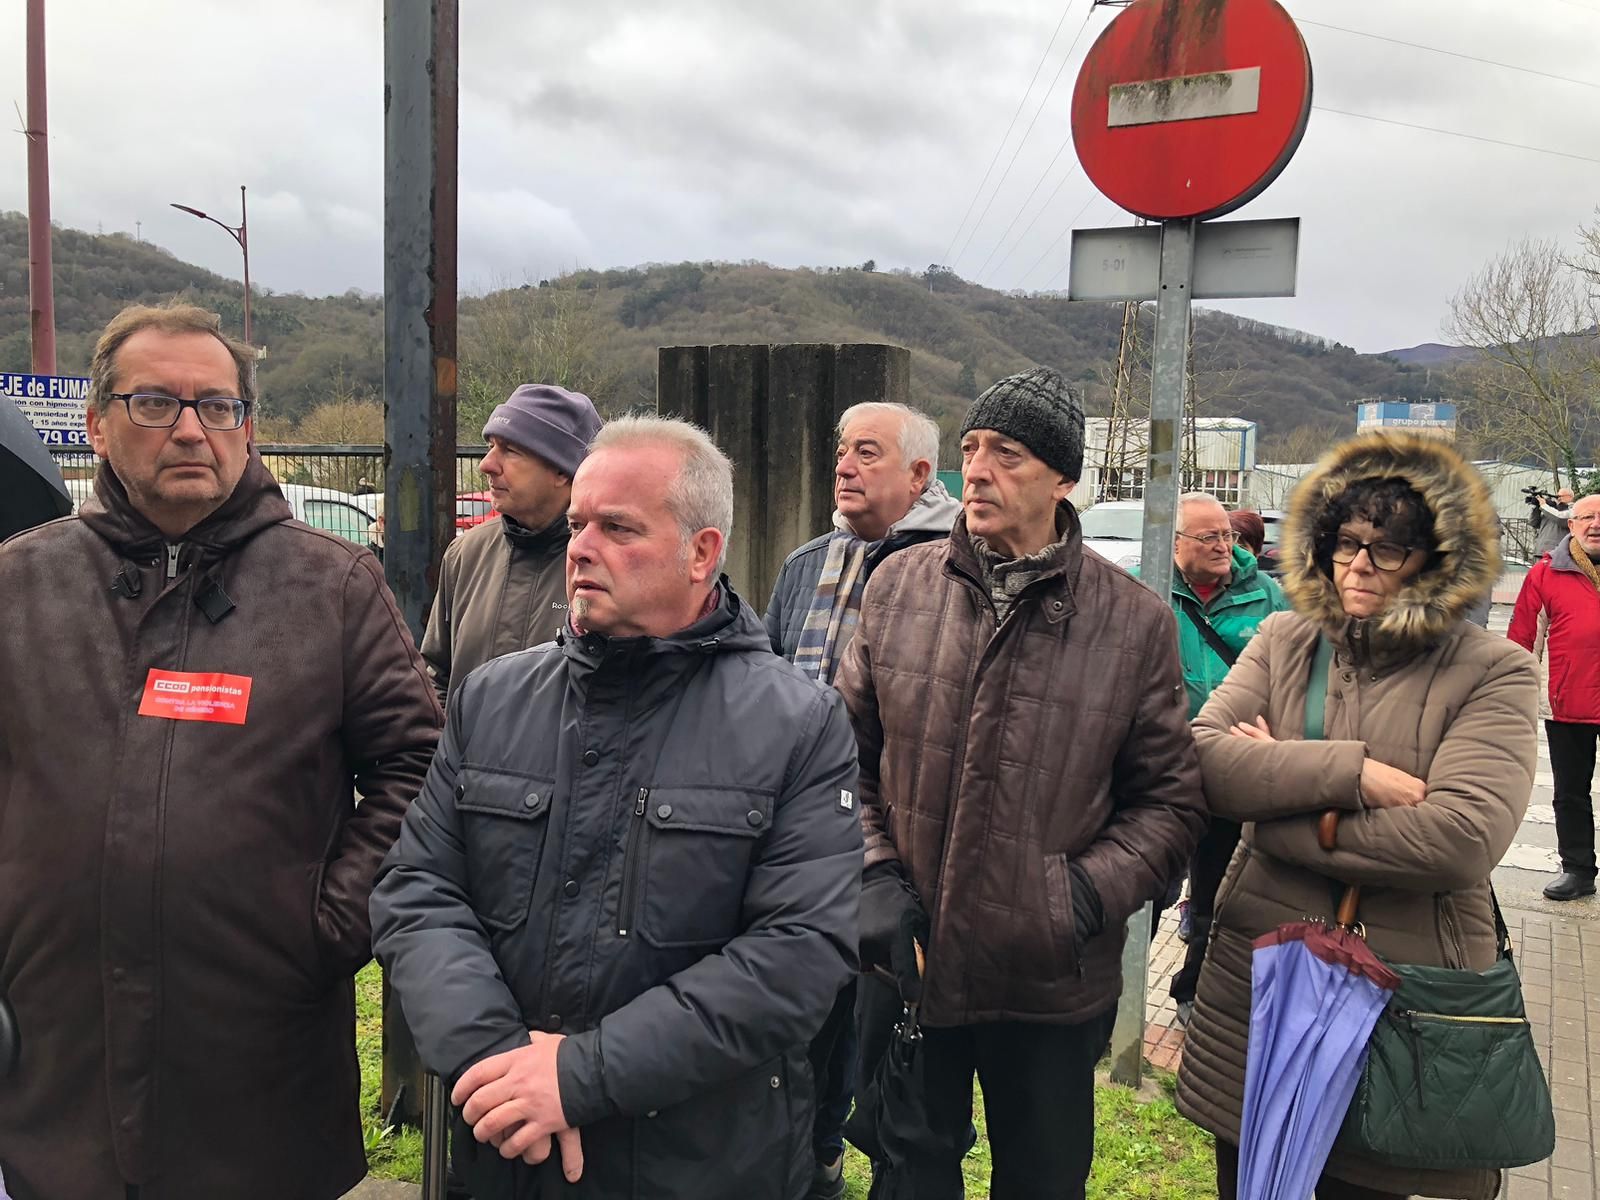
(919, 433)
(1189, 498)
(701, 494)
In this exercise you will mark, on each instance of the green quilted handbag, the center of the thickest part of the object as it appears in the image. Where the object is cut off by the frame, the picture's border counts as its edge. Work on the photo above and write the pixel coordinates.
(1452, 1079)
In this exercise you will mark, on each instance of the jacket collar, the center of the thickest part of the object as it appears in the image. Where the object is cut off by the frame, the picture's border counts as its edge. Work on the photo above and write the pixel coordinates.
(934, 512)
(650, 666)
(551, 538)
(1561, 556)
(256, 504)
(1060, 578)
(1243, 581)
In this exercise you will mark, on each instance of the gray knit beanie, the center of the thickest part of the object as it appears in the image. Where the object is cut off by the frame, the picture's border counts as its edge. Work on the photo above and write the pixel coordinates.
(1041, 411)
(551, 422)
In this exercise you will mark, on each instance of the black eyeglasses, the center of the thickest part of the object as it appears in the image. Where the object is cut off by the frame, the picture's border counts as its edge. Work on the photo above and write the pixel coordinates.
(1211, 539)
(1385, 556)
(156, 411)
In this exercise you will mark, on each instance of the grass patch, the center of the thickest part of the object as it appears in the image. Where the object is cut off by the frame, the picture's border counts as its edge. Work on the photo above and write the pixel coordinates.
(1143, 1150)
(391, 1153)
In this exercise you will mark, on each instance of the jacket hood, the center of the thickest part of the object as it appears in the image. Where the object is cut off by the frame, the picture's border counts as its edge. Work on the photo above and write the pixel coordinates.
(935, 511)
(1464, 567)
(255, 504)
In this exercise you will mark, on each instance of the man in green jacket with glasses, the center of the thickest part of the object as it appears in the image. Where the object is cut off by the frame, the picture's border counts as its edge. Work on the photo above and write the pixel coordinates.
(1219, 597)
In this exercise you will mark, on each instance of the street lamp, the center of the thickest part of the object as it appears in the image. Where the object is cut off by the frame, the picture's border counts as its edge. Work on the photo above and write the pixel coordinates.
(239, 235)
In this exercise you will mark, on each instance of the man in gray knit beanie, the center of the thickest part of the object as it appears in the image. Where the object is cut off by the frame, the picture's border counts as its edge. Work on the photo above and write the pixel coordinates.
(1028, 782)
(1041, 411)
(503, 584)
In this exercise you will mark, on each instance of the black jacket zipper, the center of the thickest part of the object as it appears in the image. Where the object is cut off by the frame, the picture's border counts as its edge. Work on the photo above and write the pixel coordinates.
(630, 865)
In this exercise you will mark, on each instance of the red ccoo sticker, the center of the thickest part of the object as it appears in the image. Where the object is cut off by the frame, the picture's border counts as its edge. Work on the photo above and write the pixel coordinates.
(196, 696)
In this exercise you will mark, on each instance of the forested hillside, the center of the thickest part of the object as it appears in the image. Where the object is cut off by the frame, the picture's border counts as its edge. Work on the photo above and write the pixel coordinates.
(599, 330)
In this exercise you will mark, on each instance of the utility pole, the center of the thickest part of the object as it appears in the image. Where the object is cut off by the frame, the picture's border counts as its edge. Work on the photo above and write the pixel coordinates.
(41, 282)
(421, 53)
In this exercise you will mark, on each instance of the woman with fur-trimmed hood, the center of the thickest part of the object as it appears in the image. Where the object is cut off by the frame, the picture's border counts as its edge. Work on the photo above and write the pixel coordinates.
(1428, 748)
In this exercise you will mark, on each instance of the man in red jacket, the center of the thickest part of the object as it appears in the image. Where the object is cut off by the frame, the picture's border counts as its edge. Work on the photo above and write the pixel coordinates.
(1566, 588)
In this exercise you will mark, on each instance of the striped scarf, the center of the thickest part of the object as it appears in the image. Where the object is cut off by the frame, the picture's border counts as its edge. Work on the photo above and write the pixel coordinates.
(1584, 565)
(831, 620)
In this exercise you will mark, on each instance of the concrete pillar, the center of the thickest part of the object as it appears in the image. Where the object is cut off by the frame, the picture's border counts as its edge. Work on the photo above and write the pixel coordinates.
(773, 409)
(802, 410)
(681, 383)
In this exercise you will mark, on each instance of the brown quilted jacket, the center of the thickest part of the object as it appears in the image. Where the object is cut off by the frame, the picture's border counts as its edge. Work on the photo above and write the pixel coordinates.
(991, 757)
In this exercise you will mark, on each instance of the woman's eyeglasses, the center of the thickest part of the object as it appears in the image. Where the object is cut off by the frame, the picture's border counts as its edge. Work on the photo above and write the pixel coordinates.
(1386, 556)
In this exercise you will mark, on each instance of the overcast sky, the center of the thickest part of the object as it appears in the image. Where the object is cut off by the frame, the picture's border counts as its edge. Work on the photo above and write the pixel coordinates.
(609, 134)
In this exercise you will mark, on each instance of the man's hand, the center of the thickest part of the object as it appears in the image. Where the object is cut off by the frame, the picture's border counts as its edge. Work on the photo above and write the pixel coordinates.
(513, 1101)
(1383, 786)
(1257, 732)
(891, 924)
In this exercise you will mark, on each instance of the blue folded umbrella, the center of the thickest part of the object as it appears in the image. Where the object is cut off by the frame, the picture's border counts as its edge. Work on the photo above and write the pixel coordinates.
(1316, 991)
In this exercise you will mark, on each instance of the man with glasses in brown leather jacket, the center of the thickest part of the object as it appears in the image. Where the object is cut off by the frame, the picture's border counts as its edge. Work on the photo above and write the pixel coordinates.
(198, 688)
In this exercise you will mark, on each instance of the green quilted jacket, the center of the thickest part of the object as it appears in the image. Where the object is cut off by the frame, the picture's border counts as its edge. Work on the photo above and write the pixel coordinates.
(1234, 612)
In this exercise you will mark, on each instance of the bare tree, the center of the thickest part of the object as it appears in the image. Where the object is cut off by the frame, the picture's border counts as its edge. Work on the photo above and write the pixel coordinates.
(549, 334)
(1587, 261)
(1531, 316)
(1304, 444)
(343, 421)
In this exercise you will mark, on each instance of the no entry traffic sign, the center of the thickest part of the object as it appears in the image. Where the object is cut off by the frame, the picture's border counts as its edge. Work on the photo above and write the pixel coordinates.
(1189, 108)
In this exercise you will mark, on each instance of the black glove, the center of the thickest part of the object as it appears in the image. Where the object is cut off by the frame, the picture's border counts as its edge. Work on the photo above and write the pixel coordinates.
(1088, 914)
(892, 921)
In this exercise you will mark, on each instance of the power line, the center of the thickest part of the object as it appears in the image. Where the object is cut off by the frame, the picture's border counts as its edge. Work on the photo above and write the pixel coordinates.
(1060, 150)
(1057, 242)
(1043, 175)
(1006, 174)
(1378, 37)
(1043, 208)
(1456, 133)
(1024, 99)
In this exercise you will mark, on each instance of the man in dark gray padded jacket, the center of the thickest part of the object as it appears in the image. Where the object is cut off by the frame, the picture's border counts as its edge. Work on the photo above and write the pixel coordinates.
(627, 896)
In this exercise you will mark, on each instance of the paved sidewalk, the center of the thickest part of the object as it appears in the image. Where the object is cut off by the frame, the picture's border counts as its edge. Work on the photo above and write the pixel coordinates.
(1558, 956)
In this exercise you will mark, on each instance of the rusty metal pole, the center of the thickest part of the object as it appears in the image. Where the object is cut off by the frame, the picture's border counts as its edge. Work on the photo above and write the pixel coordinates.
(41, 284)
(421, 51)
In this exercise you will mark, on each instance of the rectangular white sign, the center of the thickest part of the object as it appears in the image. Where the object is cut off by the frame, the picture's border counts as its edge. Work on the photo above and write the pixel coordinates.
(1184, 98)
(1233, 260)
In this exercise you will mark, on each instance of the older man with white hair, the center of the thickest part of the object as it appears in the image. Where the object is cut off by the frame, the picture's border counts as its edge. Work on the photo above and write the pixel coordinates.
(627, 896)
(887, 496)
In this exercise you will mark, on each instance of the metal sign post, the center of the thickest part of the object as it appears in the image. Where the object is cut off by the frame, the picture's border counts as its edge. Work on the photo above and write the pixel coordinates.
(1183, 111)
(1169, 387)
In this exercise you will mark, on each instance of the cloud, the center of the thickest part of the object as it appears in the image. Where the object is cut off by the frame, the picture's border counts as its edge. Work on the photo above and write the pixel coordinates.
(612, 133)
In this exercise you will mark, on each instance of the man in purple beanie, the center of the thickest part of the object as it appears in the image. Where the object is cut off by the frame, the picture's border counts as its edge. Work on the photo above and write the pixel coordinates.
(502, 585)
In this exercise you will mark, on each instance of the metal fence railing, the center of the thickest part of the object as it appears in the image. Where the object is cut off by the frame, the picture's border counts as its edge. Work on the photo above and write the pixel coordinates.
(339, 467)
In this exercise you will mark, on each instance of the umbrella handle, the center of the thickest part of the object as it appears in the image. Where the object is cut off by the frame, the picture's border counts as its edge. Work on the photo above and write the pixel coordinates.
(1328, 839)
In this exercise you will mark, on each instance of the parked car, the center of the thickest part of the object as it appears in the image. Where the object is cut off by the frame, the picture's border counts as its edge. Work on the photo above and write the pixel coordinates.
(1113, 529)
(473, 508)
(337, 512)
